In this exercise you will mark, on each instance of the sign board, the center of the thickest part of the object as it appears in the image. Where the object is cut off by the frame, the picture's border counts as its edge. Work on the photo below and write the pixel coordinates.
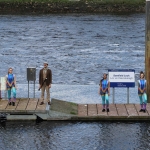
(3, 83)
(122, 77)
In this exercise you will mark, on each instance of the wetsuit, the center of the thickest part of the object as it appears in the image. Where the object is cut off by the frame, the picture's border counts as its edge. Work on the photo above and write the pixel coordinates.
(143, 99)
(10, 79)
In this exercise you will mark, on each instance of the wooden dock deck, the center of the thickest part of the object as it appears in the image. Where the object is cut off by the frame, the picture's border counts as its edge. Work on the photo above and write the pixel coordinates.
(117, 112)
(23, 106)
(85, 112)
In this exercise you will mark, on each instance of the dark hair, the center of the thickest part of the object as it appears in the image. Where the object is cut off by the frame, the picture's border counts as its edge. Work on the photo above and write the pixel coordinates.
(142, 73)
(102, 78)
(9, 69)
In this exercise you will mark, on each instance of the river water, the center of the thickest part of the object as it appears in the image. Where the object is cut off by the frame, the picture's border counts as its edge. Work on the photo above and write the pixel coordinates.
(79, 49)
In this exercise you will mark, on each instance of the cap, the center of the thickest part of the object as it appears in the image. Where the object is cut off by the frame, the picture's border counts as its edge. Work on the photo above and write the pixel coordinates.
(45, 63)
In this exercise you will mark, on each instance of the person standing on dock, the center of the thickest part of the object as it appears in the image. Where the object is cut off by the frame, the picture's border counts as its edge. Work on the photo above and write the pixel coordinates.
(142, 92)
(104, 92)
(11, 86)
(45, 81)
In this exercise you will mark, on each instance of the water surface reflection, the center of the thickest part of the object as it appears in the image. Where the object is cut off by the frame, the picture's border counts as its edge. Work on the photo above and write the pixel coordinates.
(75, 136)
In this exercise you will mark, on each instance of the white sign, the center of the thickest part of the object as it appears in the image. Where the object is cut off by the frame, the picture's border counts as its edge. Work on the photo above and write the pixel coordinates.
(3, 83)
(121, 77)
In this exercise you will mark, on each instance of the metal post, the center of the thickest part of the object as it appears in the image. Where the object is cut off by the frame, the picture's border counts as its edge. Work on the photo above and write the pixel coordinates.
(127, 95)
(34, 89)
(0, 92)
(147, 48)
(113, 95)
(28, 89)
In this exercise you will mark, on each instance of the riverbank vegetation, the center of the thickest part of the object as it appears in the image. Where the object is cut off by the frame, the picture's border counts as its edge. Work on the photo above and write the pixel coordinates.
(50, 6)
(90, 1)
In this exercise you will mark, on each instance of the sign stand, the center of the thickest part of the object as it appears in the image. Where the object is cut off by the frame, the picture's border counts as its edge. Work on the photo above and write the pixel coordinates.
(31, 76)
(0, 92)
(28, 89)
(121, 78)
(113, 95)
(128, 95)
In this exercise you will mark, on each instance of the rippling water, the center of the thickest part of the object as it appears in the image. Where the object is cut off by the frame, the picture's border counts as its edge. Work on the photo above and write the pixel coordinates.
(75, 136)
(78, 48)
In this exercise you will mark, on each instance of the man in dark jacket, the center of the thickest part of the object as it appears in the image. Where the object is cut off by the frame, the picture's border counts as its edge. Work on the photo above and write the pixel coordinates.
(45, 81)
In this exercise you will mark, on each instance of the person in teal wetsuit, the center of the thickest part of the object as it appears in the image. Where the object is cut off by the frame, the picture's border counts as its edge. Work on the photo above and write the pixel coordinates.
(11, 86)
(104, 92)
(142, 92)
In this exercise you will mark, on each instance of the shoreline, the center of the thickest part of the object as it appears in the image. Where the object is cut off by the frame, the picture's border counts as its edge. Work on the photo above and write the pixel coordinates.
(74, 6)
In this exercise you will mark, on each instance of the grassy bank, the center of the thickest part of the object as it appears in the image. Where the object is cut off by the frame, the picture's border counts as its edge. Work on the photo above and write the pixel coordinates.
(130, 2)
(50, 6)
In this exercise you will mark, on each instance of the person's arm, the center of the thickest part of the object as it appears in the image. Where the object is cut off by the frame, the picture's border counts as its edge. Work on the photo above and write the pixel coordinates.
(40, 79)
(15, 82)
(139, 88)
(108, 88)
(50, 77)
(7, 82)
(144, 90)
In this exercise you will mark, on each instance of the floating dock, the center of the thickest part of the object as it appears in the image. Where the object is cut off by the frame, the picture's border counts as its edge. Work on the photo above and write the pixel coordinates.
(24, 109)
(118, 112)
(30, 109)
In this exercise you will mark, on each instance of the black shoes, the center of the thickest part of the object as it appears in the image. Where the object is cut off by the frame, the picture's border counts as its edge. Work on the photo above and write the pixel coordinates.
(106, 110)
(49, 103)
(103, 110)
(41, 103)
(144, 111)
(12, 103)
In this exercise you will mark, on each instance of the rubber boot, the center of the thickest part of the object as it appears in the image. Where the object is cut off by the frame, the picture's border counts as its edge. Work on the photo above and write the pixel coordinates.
(141, 108)
(144, 108)
(107, 107)
(103, 108)
(14, 100)
(9, 102)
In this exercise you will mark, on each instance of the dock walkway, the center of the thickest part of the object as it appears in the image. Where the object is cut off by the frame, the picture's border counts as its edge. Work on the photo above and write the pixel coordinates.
(117, 112)
(22, 106)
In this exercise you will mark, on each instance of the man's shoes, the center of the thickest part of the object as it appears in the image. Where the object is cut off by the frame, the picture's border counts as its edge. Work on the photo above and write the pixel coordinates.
(41, 103)
(49, 103)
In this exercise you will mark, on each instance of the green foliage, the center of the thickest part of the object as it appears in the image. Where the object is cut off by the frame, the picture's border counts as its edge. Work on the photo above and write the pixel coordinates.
(90, 1)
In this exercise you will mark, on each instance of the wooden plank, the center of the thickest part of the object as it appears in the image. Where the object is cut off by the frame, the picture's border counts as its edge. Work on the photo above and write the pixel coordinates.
(41, 108)
(32, 105)
(138, 107)
(92, 110)
(131, 110)
(3, 105)
(82, 110)
(99, 110)
(148, 108)
(22, 105)
(11, 108)
(121, 110)
(112, 110)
